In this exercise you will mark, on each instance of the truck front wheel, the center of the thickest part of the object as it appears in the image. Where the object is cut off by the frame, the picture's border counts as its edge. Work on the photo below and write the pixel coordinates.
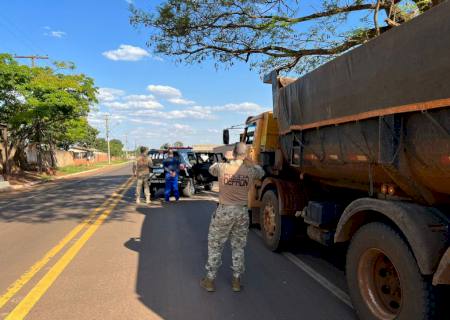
(276, 229)
(383, 277)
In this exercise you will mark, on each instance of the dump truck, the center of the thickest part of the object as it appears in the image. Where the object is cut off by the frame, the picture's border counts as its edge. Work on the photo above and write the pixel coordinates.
(357, 155)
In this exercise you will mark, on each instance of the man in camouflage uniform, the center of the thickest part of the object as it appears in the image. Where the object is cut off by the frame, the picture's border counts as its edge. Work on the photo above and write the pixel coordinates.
(141, 170)
(231, 218)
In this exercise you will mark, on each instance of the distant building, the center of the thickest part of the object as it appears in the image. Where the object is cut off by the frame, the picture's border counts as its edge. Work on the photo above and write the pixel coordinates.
(86, 155)
(204, 147)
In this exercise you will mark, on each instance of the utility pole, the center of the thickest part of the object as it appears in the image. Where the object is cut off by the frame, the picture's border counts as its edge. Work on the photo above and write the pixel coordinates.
(107, 137)
(126, 147)
(32, 57)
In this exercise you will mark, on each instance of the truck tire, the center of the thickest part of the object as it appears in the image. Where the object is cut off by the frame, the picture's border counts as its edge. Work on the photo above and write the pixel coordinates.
(189, 189)
(383, 278)
(277, 230)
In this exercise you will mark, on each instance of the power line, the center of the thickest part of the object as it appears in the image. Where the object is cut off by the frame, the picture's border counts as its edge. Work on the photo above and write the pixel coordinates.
(20, 34)
(15, 35)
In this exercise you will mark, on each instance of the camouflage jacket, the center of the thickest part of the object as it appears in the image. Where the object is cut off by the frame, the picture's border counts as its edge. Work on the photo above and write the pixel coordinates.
(142, 166)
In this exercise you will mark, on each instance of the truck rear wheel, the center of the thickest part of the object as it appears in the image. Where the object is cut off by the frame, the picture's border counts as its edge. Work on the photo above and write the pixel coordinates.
(276, 229)
(383, 277)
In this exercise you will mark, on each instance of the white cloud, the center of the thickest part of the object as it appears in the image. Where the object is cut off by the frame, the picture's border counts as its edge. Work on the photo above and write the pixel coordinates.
(183, 128)
(173, 95)
(126, 52)
(98, 118)
(174, 114)
(241, 107)
(58, 34)
(150, 122)
(244, 107)
(134, 102)
(54, 33)
(201, 112)
(180, 101)
(164, 91)
(109, 94)
(144, 116)
(173, 132)
(144, 133)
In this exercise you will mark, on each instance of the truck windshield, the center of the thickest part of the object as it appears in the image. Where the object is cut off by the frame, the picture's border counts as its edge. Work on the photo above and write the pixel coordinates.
(250, 133)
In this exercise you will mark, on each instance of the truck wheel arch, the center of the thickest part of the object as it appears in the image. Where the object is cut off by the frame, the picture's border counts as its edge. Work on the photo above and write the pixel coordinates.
(424, 228)
(290, 197)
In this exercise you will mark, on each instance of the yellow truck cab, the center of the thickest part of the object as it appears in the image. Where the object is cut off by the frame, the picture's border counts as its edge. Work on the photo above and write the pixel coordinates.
(261, 138)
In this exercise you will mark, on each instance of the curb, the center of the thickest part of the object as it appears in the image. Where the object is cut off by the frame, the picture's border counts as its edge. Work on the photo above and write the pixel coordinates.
(32, 184)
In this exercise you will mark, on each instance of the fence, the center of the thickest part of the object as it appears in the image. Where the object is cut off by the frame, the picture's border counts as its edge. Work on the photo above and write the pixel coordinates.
(66, 158)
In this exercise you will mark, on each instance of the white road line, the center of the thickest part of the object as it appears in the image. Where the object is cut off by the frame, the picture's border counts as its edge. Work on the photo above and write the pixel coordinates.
(337, 292)
(341, 295)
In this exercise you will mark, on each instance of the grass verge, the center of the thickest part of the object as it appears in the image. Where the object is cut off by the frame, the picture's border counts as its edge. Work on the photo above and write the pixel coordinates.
(80, 168)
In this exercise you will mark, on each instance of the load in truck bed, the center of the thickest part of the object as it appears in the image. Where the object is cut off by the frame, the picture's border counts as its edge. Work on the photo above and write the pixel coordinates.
(405, 69)
(376, 119)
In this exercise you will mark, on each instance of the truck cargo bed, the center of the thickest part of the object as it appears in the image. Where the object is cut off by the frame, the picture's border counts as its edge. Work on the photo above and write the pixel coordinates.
(376, 118)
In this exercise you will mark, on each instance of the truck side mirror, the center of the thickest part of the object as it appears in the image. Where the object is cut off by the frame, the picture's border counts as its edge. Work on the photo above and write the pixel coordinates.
(226, 136)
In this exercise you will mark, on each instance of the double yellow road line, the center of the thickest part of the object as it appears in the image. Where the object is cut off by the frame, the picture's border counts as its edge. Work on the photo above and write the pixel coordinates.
(92, 223)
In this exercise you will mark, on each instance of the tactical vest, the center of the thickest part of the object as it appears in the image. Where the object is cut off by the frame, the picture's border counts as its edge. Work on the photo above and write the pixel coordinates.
(234, 184)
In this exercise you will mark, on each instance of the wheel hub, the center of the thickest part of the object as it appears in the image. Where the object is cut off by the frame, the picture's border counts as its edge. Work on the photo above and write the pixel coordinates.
(379, 284)
(269, 220)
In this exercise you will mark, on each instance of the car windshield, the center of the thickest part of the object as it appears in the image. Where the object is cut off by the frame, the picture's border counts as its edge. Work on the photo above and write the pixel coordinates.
(187, 157)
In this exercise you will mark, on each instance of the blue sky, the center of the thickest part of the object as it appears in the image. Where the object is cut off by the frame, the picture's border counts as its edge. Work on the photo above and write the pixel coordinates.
(150, 99)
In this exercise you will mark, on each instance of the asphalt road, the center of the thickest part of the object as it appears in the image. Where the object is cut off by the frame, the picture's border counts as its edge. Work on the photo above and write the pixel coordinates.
(145, 262)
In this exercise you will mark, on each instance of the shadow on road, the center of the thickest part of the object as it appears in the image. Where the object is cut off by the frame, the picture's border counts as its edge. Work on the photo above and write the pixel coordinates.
(68, 201)
(172, 251)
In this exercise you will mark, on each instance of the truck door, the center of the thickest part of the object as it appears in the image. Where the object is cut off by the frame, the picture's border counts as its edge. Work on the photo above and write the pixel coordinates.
(252, 139)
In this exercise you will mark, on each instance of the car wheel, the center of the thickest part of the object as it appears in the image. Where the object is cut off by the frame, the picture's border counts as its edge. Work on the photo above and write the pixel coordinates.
(208, 186)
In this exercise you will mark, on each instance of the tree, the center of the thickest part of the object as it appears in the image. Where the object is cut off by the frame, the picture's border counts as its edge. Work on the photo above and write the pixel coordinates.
(12, 78)
(76, 132)
(101, 144)
(270, 34)
(116, 146)
(165, 146)
(39, 103)
(178, 144)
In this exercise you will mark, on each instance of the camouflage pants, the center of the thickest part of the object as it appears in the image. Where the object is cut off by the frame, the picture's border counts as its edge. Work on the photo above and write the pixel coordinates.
(142, 182)
(227, 222)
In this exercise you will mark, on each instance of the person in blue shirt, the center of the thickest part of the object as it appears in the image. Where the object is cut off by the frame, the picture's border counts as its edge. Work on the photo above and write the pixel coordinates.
(171, 170)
